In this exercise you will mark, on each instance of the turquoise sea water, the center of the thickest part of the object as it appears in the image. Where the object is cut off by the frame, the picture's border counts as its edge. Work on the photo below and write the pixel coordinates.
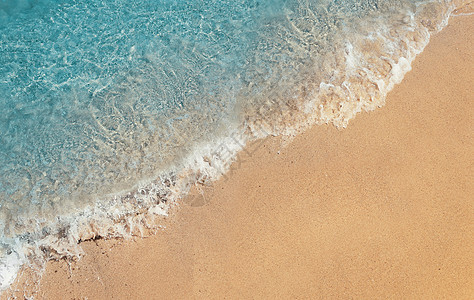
(111, 109)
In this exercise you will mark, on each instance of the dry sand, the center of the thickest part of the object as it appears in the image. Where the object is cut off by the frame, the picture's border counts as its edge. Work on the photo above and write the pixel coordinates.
(382, 209)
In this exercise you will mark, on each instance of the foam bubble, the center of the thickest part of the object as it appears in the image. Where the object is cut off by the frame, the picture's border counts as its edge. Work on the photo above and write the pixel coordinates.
(11, 260)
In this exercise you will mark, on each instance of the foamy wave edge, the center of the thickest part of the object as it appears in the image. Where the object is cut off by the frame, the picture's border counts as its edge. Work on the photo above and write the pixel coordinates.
(133, 213)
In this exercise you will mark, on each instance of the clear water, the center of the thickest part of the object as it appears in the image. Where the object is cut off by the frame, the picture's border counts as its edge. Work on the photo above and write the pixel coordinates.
(105, 104)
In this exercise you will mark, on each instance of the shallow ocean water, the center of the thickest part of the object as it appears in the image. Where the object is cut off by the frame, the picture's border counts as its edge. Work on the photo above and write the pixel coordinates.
(111, 109)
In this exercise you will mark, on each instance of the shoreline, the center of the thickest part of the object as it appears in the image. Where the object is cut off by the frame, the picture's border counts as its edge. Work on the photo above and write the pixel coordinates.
(228, 225)
(131, 212)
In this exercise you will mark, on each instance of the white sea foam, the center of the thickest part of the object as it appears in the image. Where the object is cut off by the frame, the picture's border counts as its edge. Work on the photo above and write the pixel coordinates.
(10, 264)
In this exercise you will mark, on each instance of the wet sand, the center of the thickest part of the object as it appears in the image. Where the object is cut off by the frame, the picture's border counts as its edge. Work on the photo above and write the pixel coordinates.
(382, 209)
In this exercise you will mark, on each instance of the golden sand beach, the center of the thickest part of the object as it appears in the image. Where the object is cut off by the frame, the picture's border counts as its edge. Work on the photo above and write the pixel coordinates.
(381, 209)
